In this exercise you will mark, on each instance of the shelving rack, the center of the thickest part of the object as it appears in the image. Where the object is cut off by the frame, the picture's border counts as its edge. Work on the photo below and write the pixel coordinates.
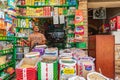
(52, 6)
(12, 51)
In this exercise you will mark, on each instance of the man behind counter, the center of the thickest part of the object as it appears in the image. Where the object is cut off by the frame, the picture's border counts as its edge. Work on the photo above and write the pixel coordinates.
(36, 38)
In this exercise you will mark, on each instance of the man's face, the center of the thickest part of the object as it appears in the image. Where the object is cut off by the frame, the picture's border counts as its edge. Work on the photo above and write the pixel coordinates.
(35, 28)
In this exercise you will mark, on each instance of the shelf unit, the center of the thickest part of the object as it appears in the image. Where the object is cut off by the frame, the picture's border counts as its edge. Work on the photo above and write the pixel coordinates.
(12, 51)
(29, 17)
(66, 5)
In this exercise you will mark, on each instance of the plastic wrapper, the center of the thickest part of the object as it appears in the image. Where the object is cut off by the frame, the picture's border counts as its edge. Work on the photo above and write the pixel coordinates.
(67, 68)
(48, 68)
(85, 66)
(51, 51)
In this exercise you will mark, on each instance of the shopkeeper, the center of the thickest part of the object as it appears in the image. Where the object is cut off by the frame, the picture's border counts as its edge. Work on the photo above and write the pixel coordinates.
(36, 38)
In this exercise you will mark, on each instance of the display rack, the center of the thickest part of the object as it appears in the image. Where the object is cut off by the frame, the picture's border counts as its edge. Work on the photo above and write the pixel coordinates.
(12, 62)
(64, 5)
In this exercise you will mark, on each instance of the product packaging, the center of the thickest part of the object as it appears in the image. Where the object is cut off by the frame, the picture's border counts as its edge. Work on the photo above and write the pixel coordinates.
(39, 49)
(48, 68)
(85, 66)
(51, 51)
(67, 68)
(79, 30)
(79, 18)
(32, 55)
(27, 69)
(115, 23)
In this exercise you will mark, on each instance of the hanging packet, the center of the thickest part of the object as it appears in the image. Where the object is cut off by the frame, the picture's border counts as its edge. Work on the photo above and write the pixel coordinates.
(78, 18)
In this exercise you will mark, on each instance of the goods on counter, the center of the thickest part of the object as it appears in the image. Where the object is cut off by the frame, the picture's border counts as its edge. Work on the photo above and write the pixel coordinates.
(27, 69)
(48, 68)
(51, 51)
(48, 59)
(40, 50)
(76, 78)
(28, 63)
(73, 53)
(32, 55)
(96, 76)
(78, 53)
(85, 66)
(67, 68)
(41, 46)
(65, 53)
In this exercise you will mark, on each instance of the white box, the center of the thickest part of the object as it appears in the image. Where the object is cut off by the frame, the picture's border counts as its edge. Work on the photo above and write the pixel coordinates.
(117, 36)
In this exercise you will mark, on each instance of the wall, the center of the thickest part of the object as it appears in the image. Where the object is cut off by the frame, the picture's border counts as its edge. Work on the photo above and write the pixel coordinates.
(101, 0)
(84, 8)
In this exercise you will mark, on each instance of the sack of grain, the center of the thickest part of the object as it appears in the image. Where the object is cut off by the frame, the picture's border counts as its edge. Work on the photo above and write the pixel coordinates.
(48, 68)
(85, 66)
(67, 68)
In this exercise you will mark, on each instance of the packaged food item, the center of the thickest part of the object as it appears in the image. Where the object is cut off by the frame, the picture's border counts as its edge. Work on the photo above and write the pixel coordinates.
(2, 60)
(78, 38)
(79, 18)
(115, 23)
(48, 68)
(79, 30)
(65, 53)
(27, 69)
(51, 51)
(39, 50)
(85, 66)
(96, 76)
(78, 53)
(56, 11)
(67, 68)
(32, 55)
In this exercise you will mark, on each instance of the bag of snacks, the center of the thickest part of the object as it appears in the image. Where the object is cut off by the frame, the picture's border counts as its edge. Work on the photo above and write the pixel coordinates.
(96, 76)
(85, 66)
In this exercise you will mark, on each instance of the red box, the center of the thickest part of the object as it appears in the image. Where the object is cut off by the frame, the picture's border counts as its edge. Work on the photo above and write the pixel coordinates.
(115, 23)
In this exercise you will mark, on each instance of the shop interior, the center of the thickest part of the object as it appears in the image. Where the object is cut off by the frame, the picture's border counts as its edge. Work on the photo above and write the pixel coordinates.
(82, 42)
